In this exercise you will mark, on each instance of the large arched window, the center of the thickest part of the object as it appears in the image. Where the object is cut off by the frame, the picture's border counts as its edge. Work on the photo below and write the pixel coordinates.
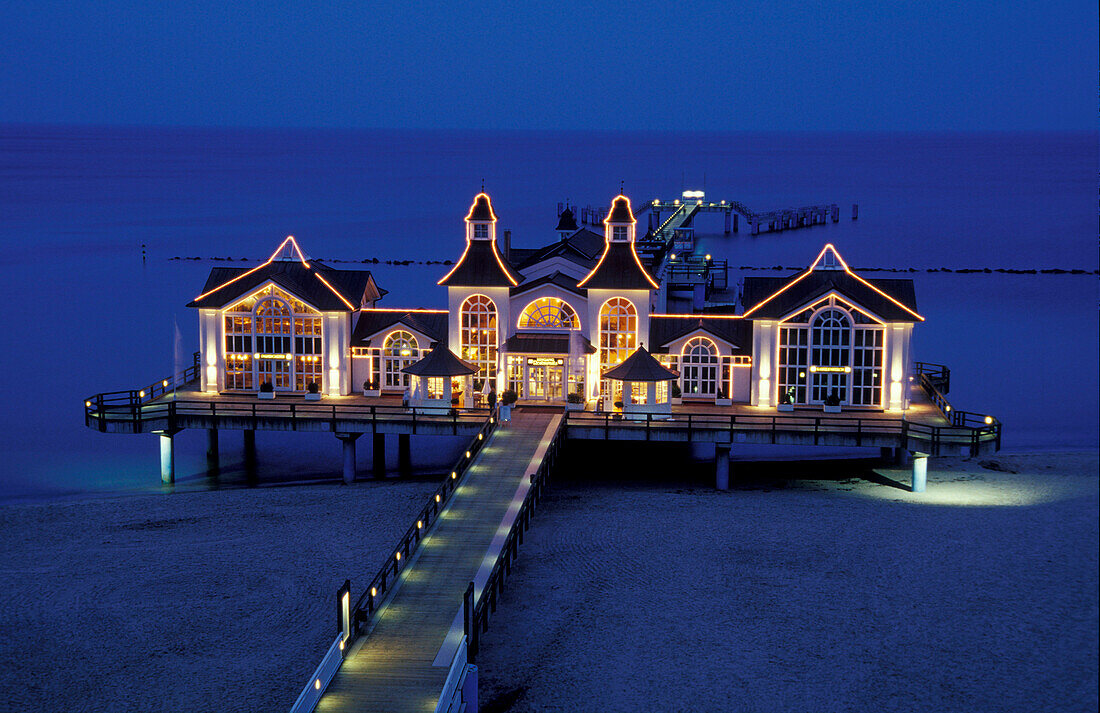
(549, 313)
(479, 336)
(618, 331)
(272, 336)
(399, 350)
(699, 366)
(830, 354)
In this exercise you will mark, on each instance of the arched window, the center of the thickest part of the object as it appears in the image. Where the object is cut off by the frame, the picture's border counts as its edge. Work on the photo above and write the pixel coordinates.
(549, 313)
(699, 367)
(272, 336)
(830, 354)
(399, 350)
(618, 331)
(479, 336)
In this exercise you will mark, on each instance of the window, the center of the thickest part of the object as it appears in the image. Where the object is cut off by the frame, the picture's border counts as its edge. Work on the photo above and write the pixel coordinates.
(700, 367)
(479, 337)
(620, 233)
(618, 333)
(515, 375)
(793, 354)
(549, 313)
(867, 367)
(399, 350)
(481, 231)
(272, 336)
(830, 348)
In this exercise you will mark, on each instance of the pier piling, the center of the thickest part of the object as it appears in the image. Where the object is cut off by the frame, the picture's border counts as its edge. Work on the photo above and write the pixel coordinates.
(404, 454)
(920, 472)
(378, 455)
(167, 458)
(250, 455)
(722, 467)
(213, 465)
(348, 440)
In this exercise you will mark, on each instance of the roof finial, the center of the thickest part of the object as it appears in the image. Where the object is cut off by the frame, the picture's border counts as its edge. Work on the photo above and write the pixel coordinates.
(483, 185)
(621, 182)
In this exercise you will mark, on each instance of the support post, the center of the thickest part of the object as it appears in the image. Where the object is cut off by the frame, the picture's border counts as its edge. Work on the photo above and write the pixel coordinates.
(886, 453)
(721, 466)
(213, 466)
(901, 456)
(920, 472)
(167, 458)
(348, 440)
(735, 217)
(728, 214)
(250, 454)
(855, 211)
(378, 455)
(404, 454)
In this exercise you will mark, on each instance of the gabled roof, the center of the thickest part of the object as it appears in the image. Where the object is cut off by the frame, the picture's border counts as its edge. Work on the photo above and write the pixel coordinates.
(587, 241)
(562, 248)
(567, 221)
(775, 297)
(313, 282)
(619, 268)
(482, 265)
(557, 278)
(431, 323)
(441, 361)
(640, 366)
(481, 209)
(663, 330)
(543, 343)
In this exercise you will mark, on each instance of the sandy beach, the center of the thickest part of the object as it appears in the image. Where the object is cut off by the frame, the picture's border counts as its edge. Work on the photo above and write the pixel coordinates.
(808, 595)
(204, 601)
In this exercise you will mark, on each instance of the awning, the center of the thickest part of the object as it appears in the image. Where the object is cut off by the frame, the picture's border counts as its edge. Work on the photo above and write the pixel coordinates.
(545, 344)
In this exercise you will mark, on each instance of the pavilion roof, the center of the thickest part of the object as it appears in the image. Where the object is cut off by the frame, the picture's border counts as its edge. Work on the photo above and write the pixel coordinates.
(640, 366)
(441, 362)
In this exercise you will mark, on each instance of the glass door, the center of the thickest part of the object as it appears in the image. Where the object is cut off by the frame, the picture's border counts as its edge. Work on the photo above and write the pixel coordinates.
(536, 382)
(276, 371)
(554, 377)
(824, 383)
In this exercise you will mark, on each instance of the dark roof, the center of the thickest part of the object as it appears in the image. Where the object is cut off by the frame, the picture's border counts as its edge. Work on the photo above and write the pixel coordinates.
(431, 324)
(620, 211)
(481, 208)
(818, 283)
(482, 266)
(441, 361)
(618, 269)
(587, 241)
(663, 330)
(640, 366)
(567, 221)
(541, 343)
(558, 278)
(305, 283)
(562, 248)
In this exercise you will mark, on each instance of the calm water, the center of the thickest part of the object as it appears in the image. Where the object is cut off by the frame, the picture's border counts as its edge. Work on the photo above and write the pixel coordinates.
(77, 204)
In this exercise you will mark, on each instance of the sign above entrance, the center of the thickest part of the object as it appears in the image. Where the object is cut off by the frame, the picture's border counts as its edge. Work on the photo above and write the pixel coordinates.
(273, 356)
(831, 369)
(545, 361)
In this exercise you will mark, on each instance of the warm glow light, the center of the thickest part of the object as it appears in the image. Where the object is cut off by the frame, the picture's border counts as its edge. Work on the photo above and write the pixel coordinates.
(479, 436)
(317, 684)
(708, 256)
(398, 556)
(672, 256)
(397, 309)
(141, 393)
(374, 591)
(334, 291)
(437, 498)
(947, 408)
(467, 454)
(988, 420)
(473, 205)
(164, 383)
(419, 524)
(454, 475)
(810, 269)
(88, 404)
(698, 316)
(288, 239)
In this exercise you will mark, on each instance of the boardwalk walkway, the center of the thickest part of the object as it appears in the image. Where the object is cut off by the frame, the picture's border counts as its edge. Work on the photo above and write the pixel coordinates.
(399, 665)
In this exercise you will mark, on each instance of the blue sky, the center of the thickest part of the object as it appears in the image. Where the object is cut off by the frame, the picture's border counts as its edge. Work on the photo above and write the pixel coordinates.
(712, 66)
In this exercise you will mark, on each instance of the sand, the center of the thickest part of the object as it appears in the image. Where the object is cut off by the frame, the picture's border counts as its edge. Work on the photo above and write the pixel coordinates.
(204, 601)
(808, 595)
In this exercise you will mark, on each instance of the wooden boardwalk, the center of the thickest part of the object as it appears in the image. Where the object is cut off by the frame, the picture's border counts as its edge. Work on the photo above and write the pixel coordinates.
(394, 667)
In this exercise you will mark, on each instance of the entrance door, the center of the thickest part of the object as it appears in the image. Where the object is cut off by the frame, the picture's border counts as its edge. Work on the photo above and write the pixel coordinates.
(824, 383)
(536, 383)
(277, 371)
(554, 376)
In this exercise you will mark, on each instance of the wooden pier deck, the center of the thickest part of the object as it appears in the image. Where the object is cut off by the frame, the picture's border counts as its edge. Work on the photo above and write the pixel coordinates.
(402, 662)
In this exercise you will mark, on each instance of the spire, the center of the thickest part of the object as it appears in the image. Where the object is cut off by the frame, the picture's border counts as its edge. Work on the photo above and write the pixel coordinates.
(619, 223)
(481, 220)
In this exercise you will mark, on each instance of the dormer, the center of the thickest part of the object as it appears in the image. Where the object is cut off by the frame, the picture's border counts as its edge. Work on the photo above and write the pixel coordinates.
(481, 221)
(829, 260)
(619, 224)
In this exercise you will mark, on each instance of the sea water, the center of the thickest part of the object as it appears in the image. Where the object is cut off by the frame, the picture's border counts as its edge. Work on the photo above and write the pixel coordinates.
(99, 228)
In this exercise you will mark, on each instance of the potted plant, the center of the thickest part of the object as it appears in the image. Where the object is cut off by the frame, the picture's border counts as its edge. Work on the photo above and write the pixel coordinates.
(619, 405)
(574, 402)
(785, 401)
(832, 402)
(677, 395)
(313, 391)
(267, 390)
(370, 388)
(509, 397)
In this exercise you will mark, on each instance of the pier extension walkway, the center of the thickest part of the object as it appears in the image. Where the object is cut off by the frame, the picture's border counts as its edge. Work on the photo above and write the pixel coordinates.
(402, 662)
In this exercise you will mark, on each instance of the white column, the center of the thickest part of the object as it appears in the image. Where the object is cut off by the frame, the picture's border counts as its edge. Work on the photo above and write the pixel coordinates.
(167, 459)
(920, 472)
(348, 441)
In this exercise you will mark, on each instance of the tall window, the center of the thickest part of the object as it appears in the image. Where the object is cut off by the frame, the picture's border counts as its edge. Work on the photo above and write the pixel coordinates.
(793, 363)
(830, 347)
(867, 367)
(479, 336)
(700, 367)
(399, 350)
(272, 336)
(549, 313)
(618, 331)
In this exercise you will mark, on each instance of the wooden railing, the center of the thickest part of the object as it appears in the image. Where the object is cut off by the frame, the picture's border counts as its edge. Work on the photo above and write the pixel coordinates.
(137, 397)
(476, 612)
(103, 409)
(398, 560)
(938, 374)
(935, 379)
(969, 431)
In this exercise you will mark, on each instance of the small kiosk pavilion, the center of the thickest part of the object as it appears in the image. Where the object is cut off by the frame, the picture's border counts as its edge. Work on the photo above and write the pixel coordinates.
(434, 379)
(645, 385)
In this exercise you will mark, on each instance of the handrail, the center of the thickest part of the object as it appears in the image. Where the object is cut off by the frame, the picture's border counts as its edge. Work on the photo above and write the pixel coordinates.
(398, 559)
(137, 397)
(476, 611)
